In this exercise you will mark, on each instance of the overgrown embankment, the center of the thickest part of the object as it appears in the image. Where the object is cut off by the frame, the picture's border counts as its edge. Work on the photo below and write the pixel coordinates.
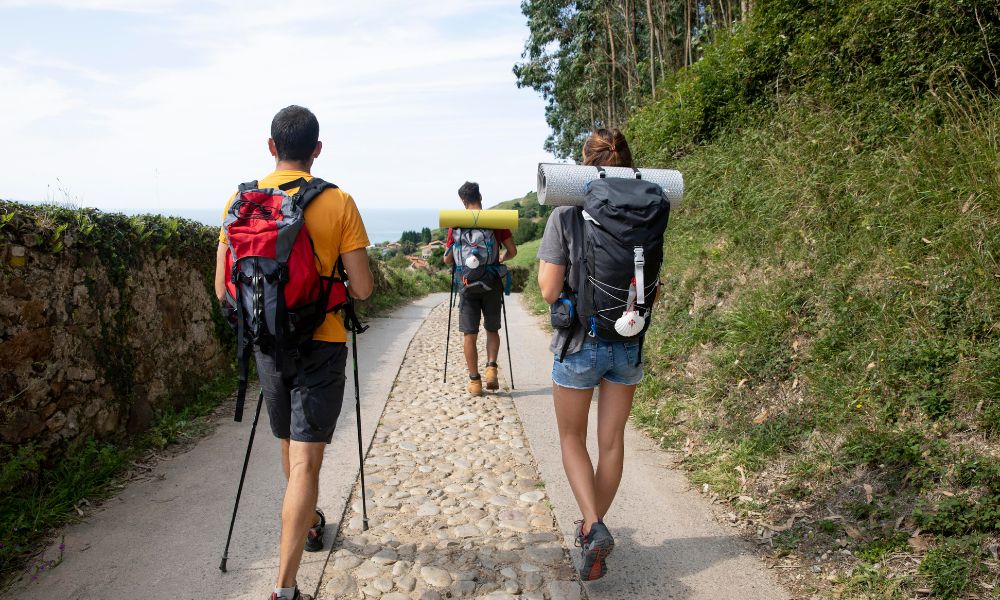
(104, 319)
(826, 352)
(112, 345)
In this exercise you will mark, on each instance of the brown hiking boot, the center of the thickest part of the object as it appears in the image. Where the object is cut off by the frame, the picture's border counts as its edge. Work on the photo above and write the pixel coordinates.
(492, 383)
(476, 386)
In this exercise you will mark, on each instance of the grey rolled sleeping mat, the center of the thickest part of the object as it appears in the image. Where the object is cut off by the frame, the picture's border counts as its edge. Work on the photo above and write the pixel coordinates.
(563, 184)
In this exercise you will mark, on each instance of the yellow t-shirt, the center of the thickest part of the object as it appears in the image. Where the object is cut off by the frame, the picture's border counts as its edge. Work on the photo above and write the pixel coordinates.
(335, 227)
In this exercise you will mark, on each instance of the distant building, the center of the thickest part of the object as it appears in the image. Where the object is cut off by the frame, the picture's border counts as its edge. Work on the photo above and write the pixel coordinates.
(418, 264)
(427, 249)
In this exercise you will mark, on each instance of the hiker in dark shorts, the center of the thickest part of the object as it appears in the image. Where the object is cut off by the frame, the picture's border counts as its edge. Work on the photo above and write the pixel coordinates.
(482, 298)
(614, 368)
(337, 232)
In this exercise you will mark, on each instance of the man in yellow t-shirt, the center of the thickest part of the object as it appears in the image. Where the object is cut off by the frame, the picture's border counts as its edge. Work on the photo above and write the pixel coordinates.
(337, 232)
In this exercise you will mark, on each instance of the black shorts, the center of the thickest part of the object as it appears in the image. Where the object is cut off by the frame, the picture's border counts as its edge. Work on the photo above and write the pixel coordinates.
(305, 413)
(487, 304)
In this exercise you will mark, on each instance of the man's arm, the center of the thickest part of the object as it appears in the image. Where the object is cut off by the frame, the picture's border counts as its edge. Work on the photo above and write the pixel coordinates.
(359, 273)
(220, 271)
(510, 250)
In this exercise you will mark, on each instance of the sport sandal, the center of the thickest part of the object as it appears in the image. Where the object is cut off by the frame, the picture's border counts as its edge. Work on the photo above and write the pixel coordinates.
(314, 538)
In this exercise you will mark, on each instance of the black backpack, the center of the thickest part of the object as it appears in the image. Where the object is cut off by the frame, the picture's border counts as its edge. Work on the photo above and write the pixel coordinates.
(623, 221)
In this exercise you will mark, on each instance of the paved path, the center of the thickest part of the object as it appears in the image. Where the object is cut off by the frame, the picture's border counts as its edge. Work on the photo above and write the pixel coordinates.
(466, 498)
(456, 506)
(162, 538)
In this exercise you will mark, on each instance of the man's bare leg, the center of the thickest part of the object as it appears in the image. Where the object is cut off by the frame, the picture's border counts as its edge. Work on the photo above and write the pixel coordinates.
(298, 511)
(472, 353)
(492, 345)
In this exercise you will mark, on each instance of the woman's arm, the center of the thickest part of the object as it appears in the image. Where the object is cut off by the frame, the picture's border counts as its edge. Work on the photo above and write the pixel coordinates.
(550, 280)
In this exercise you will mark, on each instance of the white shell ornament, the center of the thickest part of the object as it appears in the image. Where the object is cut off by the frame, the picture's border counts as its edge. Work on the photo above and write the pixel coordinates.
(472, 262)
(630, 323)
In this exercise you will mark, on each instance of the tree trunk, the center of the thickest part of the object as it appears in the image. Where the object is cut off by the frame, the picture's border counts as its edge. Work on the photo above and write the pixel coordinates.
(652, 54)
(614, 67)
(687, 33)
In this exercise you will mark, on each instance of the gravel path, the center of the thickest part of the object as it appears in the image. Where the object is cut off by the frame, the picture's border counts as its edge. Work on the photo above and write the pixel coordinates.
(455, 502)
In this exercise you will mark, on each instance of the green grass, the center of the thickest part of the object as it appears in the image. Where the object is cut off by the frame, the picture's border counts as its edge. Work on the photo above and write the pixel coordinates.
(829, 312)
(526, 254)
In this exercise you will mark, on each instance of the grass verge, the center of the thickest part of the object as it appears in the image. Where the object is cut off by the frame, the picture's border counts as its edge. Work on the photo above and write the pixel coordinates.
(827, 343)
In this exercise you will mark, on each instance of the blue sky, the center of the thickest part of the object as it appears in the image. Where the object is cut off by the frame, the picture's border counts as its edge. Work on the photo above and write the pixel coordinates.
(143, 105)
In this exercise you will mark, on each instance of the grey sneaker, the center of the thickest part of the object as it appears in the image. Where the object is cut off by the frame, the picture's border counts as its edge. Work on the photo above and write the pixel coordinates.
(595, 547)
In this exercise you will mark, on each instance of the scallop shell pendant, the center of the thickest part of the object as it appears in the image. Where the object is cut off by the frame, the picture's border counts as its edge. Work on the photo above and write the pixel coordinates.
(630, 323)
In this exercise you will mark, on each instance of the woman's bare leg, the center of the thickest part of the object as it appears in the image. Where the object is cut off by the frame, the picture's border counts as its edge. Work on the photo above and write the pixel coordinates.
(572, 408)
(613, 407)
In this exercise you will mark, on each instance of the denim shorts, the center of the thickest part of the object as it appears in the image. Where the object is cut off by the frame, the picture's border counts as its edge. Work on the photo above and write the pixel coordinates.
(617, 362)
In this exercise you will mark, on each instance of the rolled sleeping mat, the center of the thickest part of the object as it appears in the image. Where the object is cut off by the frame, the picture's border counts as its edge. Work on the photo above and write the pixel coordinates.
(482, 219)
(563, 184)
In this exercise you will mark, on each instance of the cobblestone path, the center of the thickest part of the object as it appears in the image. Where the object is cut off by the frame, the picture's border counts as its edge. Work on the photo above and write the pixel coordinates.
(455, 503)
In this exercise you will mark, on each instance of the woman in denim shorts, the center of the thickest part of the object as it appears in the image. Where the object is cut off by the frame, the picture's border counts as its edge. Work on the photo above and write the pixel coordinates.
(614, 368)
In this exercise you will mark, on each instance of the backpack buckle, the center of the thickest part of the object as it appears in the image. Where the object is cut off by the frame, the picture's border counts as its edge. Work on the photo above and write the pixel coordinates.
(640, 259)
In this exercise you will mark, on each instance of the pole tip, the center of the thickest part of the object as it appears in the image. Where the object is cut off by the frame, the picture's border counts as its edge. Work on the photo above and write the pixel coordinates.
(365, 525)
(222, 565)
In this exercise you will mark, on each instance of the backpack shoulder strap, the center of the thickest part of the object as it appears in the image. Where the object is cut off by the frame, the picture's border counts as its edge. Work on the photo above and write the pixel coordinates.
(309, 190)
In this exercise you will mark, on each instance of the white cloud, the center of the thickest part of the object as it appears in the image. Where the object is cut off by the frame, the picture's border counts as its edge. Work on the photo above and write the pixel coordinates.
(408, 108)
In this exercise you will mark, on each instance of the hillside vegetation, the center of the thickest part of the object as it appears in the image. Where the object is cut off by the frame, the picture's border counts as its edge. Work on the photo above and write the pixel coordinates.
(826, 351)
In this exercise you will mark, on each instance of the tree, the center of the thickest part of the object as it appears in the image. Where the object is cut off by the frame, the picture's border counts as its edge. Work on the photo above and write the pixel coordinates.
(593, 60)
(425, 235)
(412, 237)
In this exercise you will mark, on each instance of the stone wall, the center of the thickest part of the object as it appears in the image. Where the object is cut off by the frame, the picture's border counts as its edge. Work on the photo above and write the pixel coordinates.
(104, 319)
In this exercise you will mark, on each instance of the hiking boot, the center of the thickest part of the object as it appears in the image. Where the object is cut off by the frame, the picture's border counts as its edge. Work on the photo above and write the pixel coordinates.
(595, 547)
(476, 386)
(314, 538)
(492, 383)
(298, 596)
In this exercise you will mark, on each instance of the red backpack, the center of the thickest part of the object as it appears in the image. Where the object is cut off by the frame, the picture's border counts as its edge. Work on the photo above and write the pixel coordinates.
(276, 297)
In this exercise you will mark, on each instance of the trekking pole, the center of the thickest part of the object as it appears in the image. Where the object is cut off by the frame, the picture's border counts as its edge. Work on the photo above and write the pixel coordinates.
(361, 451)
(239, 490)
(451, 306)
(506, 332)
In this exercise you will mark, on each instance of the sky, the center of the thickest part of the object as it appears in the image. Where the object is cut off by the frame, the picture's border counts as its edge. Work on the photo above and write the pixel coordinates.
(155, 105)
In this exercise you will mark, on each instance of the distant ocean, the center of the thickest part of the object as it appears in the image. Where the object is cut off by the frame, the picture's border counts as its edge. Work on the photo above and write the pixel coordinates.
(383, 224)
